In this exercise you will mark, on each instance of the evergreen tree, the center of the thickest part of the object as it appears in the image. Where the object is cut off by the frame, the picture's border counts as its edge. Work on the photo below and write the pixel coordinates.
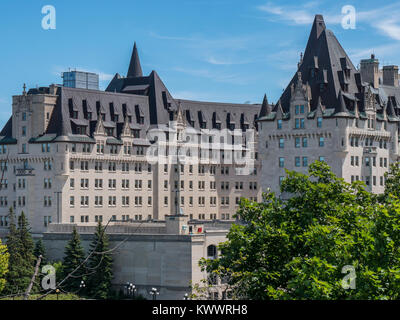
(74, 256)
(20, 248)
(40, 250)
(100, 264)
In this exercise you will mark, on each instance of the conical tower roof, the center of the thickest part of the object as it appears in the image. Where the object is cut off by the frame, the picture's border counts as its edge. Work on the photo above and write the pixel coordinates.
(135, 69)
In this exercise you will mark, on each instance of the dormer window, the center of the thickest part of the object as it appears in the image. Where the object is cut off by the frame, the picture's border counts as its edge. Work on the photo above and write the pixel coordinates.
(135, 133)
(23, 116)
(81, 129)
(299, 109)
(110, 131)
(279, 124)
(319, 122)
(23, 131)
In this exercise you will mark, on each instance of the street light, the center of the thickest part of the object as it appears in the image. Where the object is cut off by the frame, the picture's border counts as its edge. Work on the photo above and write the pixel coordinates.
(82, 285)
(57, 292)
(186, 297)
(130, 289)
(154, 292)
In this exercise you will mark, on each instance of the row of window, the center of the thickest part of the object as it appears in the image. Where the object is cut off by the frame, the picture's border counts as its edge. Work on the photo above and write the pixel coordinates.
(369, 179)
(299, 123)
(369, 142)
(138, 201)
(383, 162)
(300, 142)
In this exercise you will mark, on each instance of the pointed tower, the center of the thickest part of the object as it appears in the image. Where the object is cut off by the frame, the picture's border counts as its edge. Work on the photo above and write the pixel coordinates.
(265, 108)
(135, 69)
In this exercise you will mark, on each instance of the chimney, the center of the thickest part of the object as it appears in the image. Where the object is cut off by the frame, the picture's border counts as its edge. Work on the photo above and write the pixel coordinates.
(391, 76)
(369, 69)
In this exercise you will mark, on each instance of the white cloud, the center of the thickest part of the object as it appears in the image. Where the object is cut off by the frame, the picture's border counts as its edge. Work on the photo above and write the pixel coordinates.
(389, 28)
(384, 19)
(215, 76)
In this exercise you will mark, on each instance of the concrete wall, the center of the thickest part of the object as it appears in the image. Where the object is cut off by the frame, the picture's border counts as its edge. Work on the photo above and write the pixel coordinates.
(166, 262)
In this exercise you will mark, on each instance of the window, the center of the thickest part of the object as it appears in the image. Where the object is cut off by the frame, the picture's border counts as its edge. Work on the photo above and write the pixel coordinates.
(297, 161)
(279, 124)
(84, 165)
(321, 141)
(304, 142)
(319, 122)
(299, 109)
(23, 131)
(297, 142)
(305, 162)
(322, 159)
(281, 162)
(281, 143)
(211, 252)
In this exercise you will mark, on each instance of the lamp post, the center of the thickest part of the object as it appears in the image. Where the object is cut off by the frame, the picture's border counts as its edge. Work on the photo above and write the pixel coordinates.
(82, 285)
(154, 292)
(186, 297)
(57, 292)
(130, 289)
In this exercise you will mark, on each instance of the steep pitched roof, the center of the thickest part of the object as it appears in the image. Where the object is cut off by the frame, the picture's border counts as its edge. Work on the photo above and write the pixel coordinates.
(135, 69)
(326, 68)
(265, 107)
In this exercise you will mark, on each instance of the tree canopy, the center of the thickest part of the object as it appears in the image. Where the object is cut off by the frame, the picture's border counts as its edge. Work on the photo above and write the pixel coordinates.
(316, 242)
(4, 257)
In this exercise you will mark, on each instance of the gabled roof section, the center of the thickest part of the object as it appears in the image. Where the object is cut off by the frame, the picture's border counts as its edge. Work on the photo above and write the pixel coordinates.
(135, 69)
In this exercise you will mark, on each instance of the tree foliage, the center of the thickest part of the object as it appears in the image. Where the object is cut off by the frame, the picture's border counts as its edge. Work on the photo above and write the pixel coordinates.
(20, 248)
(100, 265)
(74, 256)
(296, 247)
(40, 250)
(4, 257)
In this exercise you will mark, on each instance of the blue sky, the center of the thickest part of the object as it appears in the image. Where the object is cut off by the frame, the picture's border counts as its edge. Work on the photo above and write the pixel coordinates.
(215, 50)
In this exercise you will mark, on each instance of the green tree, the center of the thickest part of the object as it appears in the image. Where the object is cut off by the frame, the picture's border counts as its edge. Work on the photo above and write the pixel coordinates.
(20, 248)
(40, 250)
(4, 257)
(74, 256)
(295, 247)
(100, 265)
(392, 181)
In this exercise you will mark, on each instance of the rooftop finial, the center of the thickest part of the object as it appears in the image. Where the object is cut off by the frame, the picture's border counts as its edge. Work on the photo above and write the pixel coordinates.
(24, 91)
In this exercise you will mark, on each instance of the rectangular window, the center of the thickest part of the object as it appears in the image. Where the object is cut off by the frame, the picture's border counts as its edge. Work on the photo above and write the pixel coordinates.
(281, 163)
(319, 122)
(281, 143)
(321, 141)
(305, 142)
(305, 162)
(279, 124)
(297, 142)
(297, 161)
